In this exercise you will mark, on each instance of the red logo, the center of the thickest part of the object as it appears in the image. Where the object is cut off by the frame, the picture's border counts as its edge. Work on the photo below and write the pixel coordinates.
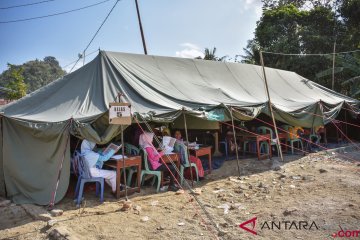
(253, 222)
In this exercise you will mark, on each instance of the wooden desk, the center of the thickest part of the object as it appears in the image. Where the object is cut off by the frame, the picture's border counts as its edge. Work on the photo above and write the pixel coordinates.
(203, 151)
(131, 161)
(258, 139)
(174, 157)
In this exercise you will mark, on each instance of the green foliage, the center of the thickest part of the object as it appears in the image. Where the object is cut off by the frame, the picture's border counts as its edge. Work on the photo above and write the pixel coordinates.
(36, 73)
(16, 83)
(210, 54)
(308, 27)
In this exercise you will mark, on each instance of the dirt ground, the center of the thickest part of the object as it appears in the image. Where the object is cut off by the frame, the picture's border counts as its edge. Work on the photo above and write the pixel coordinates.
(321, 189)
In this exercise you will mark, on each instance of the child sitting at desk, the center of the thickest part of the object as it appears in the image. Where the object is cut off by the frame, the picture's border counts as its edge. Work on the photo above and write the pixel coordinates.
(95, 162)
(154, 158)
(192, 158)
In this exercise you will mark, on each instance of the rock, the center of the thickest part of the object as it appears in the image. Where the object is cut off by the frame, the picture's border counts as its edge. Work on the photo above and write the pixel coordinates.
(197, 191)
(221, 195)
(51, 223)
(241, 186)
(180, 191)
(274, 182)
(145, 219)
(296, 177)
(224, 206)
(137, 209)
(288, 212)
(126, 206)
(302, 166)
(181, 224)
(292, 186)
(154, 203)
(260, 185)
(276, 165)
(308, 178)
(224, 225)
(56, 212)
(4, 203)
(61, 233)
(250, 186)
(224, 199)
(160, 228)
(282, 176)
(219, 190)
(238, 191)
(322, 170)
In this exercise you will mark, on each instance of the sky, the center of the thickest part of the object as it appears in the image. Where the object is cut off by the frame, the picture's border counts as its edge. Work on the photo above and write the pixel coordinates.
(178, 28)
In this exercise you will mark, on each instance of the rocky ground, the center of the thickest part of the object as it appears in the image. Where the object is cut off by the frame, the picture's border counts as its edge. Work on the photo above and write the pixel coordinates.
(321, 189)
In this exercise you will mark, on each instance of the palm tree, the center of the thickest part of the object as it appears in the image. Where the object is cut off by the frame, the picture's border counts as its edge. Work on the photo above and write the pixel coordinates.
(210, 54)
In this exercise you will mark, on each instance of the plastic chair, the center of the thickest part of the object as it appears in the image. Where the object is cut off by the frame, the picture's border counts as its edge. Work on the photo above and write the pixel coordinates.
(131, 150)
(267, 130)
(147, 171)
(289, 129)
(181, 148)
(225, 147)
(85, 177)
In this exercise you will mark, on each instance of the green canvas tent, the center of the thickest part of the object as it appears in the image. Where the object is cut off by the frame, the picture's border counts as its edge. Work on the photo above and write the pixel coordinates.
(35, 129)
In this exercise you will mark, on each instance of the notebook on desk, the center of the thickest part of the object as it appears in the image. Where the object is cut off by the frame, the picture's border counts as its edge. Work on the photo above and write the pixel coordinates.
(118, 157)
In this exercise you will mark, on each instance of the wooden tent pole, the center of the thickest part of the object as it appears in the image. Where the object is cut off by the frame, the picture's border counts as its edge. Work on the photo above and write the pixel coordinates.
(187, 148)
(236, 146)
(270, 107)
(123, 153)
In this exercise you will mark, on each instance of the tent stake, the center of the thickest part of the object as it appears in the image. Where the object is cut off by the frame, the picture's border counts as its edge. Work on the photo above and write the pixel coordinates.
(187, 149)
(236, 146)
(270, 107)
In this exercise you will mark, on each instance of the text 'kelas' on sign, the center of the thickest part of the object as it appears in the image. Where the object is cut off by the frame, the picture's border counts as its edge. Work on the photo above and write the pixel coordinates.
(119, 113)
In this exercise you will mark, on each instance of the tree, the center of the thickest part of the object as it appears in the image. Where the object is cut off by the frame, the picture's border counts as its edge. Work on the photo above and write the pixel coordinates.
(210, 54)
(36, 73)
(16, 83)
(306, 27)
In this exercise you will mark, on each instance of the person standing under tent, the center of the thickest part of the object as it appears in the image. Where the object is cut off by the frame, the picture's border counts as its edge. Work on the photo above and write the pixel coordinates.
(154, 158)
(95, 162)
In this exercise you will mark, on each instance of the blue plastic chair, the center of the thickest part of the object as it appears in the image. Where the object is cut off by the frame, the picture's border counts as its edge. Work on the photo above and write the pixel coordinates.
(289, 130)
(185, 163)
(85, 177)
(267, 130)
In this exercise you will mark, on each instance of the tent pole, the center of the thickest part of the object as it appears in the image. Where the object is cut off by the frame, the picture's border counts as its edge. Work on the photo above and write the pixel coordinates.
(270, 107)
(141, 28)
(187, 148)
(123, 160)
(236, 146)
(123, 154)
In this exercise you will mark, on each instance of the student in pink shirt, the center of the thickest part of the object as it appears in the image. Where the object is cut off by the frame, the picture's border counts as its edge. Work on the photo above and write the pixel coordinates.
(154, 157)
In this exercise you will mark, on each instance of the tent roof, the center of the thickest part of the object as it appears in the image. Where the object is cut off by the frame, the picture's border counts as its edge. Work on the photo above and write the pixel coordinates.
(166, 84)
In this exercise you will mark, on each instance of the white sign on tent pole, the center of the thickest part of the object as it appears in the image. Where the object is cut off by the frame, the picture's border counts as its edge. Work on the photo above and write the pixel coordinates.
(120, 113)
